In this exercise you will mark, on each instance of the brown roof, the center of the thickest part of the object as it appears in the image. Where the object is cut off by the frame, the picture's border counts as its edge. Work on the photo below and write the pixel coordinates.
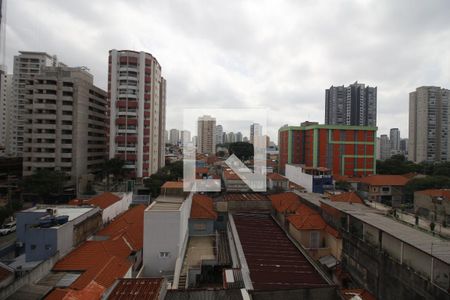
(172, 185)
(276, 177)
(202, 208)
(349, 294)
(377, 180)
(445, 193)
(285, 202)
(230, 175)
(307, 222)
(245, 197)
(104, 200)
(104, 261)
(349, 197)
(137, 288)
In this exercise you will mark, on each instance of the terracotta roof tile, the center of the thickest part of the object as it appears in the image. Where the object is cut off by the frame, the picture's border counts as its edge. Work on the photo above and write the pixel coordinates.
(201, 170)
(202, 207)
(377, 180)
(349, 197)
(276, 177)
(104, 200)
(5, 273)
(285, 202)
(137, 289)
(436, 193)
(92, 291)
(172, 185)
(307, 222)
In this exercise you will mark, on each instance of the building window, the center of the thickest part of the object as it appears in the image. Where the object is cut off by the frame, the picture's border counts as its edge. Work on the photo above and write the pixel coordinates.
(164, 254)
(314, 239)
(385, 189)
(48, 247)
(33, 246)
(200, 226)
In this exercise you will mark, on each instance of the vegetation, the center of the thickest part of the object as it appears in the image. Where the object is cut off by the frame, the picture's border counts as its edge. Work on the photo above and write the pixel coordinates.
(424, 183)
(114, 167)
(45, 183)
(171, 172)
(398, 165)
(243, 150)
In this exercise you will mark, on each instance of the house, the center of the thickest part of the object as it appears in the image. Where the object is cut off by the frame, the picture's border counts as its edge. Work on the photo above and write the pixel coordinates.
(203, 216)
(433, 204)
(314, 180)
(115, 252)
(284, 204)
(314, 234)
(278, 182)
(44, 231)
(386, 189)
(111, 204)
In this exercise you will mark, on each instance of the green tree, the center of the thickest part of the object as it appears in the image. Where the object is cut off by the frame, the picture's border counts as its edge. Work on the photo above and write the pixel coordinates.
(441, 169)
(44, 183)
(114, 167)
(243, 150)
(171, 172)
(397, 165)
(428, 182)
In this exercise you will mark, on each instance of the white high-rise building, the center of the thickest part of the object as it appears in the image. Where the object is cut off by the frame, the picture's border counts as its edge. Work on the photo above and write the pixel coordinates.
(231, 137)
(238, 136)
(385, 147)
(219, 135)
(394, 137)
(26, 66)
(137, 111)
(255, 132)
(206, 132)
(429, 124)
(6, 109)
(185, 136)
(174, 136)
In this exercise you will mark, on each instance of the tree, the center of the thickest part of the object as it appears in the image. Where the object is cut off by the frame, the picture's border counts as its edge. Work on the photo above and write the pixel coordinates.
(397, 165)
(343, 185)
(45, 183)
(243, 150)
(171, 172)
(115, 167)
(428, 182)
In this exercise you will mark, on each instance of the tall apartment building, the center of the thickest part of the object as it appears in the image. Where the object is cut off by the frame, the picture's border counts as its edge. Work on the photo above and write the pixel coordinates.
(429, 124)
(255, 132)
(185, 136)
(345, 150)
(65, 122)
(385, 147)
(394, 137)
(355, 105)
(206, 133)
(137, 106)
(231, 137)
(26, 66)
(6, 107)
(238, 136)
(174, 136)
(219, 135)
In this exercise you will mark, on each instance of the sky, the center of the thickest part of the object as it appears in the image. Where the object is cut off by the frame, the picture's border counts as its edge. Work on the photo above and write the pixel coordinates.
(276, 55)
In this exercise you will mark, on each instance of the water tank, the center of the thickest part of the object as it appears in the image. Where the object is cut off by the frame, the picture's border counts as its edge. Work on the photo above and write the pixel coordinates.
(62, 219)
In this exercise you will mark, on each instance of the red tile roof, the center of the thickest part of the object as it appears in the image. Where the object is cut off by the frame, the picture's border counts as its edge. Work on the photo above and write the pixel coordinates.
(228, 174)
(307, 222)
(350, 294)
(201, 170)
(445, 193)
(137, 288)
(349, 197)
(286, 202)
(104, 261)
(92, 291)
(378, 180)
(276, 177)
(103, 200)
(202, 207)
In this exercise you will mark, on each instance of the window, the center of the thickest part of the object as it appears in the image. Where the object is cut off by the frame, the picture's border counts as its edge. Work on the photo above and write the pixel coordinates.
(200, 226)
(48, 247)
(314, 239)
(385, 189)
(33, 246)
(164, 254)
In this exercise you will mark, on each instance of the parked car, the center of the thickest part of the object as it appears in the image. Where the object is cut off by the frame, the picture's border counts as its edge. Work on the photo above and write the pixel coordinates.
(8, 228)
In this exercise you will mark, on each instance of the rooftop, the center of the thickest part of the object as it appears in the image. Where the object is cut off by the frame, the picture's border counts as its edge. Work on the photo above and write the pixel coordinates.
(445, 193)
(393, 180)
(350, 197)
(61, 210)
(425, 242)
(274, 262)
(166, 203)
(172, 185)
(352, 294)
(202, 207)
(245, 197)
(285, 202)
(276, 177)
(137, 288)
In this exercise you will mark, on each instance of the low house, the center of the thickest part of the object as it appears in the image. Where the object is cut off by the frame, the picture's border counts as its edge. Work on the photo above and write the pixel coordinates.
(173, 188)
(284, 205)
(111, 204)
(276, 181)
(433, 204)
(115, 252)
(203, 216)
(317, 237)
(386, 189)
(233, 183)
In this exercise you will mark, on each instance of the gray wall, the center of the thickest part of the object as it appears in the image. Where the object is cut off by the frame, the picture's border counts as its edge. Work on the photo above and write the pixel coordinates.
(209, 224)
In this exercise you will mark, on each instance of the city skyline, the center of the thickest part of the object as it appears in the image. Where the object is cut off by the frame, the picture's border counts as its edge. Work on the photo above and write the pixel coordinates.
(243, 74)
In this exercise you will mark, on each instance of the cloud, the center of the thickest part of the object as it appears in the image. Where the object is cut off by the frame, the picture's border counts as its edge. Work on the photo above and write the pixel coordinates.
(252, 53)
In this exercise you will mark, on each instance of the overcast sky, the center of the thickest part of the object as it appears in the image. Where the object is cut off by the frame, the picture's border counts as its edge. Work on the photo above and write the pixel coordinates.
(280, 55)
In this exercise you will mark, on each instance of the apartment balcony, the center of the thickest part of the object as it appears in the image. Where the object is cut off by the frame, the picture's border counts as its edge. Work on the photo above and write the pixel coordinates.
(131, 157)
(127, 113)
(42, 164)
(129, 149)
(147, 122)
(132, 96)
(128, 68)
(129, 131)
(44, 106)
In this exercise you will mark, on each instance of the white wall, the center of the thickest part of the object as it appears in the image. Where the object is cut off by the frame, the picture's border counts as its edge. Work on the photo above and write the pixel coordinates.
(117, 208)
(295, 174)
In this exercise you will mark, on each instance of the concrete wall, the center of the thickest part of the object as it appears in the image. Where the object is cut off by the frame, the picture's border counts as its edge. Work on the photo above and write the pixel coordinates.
(117, 208)
(392, 246)
(24, 218)
(334, 244)
(418, 260)
(295, 174)
(201, 227)
(432, 210)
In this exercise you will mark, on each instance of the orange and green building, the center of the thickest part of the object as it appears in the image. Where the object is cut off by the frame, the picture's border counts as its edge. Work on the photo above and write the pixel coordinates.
(346, 150)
